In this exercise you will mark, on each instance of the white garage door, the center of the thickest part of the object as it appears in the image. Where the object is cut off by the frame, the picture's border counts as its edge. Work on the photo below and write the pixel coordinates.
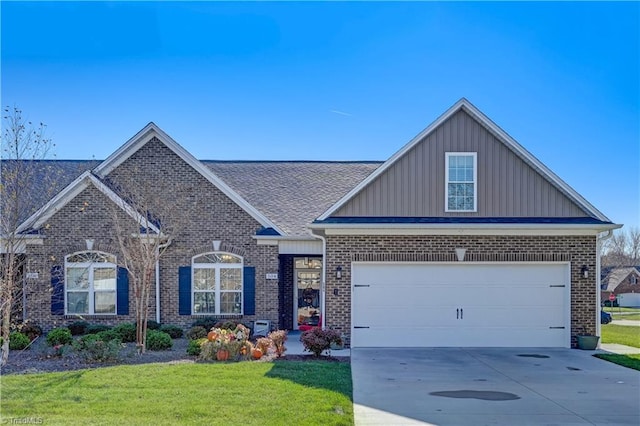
(431, 305)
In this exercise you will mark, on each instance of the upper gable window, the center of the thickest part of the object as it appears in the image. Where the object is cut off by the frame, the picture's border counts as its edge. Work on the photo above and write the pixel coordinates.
(461, 181)
(90, 283)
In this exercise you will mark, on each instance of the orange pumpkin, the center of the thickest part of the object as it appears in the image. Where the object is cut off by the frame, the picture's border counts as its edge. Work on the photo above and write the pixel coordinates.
(212, 335)
(222, 355)
(243, 350)
(256, 353)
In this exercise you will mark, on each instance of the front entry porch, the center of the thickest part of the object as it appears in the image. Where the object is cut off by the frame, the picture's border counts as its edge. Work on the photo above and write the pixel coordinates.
(300, 291)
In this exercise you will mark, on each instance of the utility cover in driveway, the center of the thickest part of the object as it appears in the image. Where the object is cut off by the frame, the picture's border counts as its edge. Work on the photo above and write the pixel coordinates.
(460, 305)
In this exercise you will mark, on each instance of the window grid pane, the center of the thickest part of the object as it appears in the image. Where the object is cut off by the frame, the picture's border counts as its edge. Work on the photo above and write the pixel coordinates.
(230, 279)
(204, 302)
(204, 279)
(461, 185)
(231, 302)
(105, 302)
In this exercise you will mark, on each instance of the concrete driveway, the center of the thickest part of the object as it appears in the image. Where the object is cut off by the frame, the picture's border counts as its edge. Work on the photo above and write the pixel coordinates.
(491, 386)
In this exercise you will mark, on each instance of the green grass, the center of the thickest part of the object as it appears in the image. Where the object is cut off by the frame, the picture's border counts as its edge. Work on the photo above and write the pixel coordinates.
(618, 310)
(247, 393)
(629, 361)
(634, 317)
(621, 334)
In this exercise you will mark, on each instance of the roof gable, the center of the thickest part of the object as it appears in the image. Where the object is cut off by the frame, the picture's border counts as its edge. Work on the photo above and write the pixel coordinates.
(149, 132)
(566, 201)
(41, 216)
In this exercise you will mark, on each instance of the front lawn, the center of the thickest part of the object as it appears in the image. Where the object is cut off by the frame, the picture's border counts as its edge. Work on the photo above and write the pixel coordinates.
(260, 393)
(621, 334)
(630, 361)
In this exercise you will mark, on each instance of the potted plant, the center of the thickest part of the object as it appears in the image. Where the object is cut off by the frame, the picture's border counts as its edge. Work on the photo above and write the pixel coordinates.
(587, 341)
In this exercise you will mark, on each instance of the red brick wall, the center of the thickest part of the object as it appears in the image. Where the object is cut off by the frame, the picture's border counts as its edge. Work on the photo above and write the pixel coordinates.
(210, 214)
(579, 250)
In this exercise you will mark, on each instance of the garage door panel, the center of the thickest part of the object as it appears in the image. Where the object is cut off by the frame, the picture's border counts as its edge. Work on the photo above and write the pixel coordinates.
(460, 305)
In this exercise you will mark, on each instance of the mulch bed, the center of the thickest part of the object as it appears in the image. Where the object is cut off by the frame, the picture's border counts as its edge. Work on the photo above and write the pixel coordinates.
(39, 359)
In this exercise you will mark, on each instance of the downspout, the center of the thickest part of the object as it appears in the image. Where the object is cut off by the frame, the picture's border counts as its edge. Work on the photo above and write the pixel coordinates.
(601, 238)
(324, 275)
(160, 246)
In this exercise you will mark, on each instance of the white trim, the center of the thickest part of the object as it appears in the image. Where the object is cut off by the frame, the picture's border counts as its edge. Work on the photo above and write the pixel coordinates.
(91, 266)
(43, 214)
(217, 291)
(447, 156)
(151, 130)
(501, 134)
(457, 229)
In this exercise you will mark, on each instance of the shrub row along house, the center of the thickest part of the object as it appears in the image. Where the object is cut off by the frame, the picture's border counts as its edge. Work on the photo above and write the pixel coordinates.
(461, 238)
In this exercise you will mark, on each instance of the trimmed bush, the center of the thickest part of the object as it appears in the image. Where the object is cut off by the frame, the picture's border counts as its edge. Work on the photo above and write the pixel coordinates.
(59, 336)
(158, 341)
(196, 332)
(207, 322)
(152, 325)
(78, 327)
(227, 324)
(317, 340)
(126, 331)
(32, 331)
(109, 335)
(172, 330)
(195, 346)
(93, 347)
(18, 341)
(96, 328)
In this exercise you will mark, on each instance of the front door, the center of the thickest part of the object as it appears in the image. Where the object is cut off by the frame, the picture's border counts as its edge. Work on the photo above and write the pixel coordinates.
(306, 302)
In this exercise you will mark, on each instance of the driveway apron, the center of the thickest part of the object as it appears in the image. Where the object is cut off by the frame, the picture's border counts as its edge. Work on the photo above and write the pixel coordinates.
(491, 386)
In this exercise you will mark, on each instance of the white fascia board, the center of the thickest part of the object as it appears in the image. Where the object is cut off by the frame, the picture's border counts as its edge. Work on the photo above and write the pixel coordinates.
(69, 193)
(45, 212)
(463, 229)
(151, 130)
(283, 237)
(501, 134)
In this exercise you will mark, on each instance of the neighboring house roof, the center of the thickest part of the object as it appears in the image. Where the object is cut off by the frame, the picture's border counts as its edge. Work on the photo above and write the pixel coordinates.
(501, 135)
(292, 193)
(613, 277)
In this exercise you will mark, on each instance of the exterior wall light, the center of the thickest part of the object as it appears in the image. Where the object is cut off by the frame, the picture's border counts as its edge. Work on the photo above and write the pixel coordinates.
(338, 272)
(584, 271)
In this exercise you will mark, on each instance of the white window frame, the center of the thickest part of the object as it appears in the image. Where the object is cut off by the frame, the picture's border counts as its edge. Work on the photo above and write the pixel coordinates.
(448, 156)
(217, 290)
(90, 266)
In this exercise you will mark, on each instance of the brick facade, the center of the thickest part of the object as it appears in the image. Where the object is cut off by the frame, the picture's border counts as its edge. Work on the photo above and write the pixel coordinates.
(578, 250)
(207, 213)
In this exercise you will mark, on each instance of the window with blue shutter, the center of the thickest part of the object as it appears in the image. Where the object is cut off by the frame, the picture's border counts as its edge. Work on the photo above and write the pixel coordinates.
(122, 287)
(57, 290)
(184, 290)
(249, 290)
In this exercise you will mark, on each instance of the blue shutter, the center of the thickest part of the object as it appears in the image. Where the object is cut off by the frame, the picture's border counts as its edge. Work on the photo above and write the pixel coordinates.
(249, 290)
(122, 291)
(57, 290)
(184, 290)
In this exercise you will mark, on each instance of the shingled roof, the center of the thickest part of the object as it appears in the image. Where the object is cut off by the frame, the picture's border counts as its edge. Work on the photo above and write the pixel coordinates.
(290, 193)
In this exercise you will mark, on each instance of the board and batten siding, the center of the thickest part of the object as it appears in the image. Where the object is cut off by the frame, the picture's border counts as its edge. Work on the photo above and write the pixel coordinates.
(414, 186)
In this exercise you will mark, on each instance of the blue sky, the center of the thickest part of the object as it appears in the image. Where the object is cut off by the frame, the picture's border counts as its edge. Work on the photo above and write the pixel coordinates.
(335, 81)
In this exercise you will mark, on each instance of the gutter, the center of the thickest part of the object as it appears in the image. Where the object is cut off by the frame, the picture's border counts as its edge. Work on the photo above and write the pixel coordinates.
(324, 274)
(160, 246)
(599, 241)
